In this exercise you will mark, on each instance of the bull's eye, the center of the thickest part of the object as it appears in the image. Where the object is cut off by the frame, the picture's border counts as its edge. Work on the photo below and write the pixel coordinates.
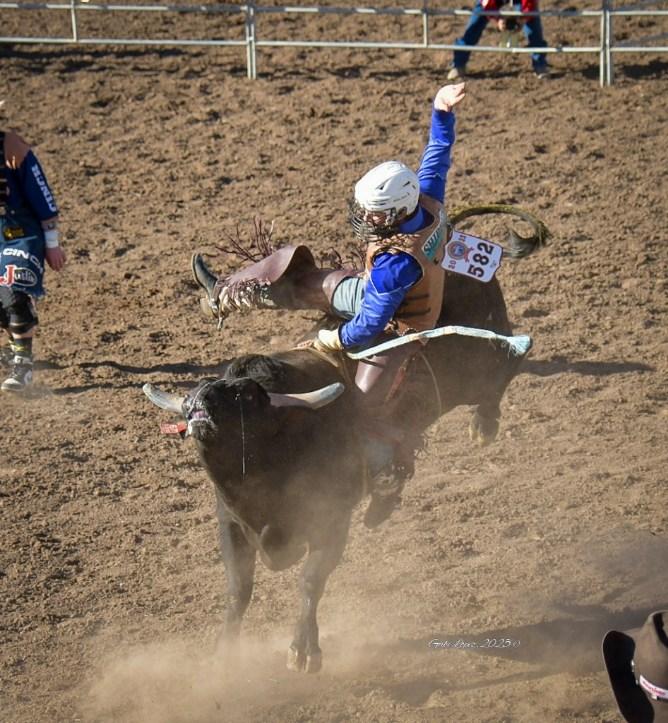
(247, 396)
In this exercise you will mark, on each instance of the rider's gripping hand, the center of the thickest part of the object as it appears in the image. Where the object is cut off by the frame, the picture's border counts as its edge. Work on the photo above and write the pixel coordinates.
(448, 96)
(328, 340)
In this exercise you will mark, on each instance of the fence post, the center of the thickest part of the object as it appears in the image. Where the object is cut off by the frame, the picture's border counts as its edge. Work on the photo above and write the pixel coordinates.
(425, 23)
(608, 43)
(251, 50)
(73, 19)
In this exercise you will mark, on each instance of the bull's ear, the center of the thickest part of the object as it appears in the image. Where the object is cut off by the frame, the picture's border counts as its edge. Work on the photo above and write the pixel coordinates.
(164, 400)
(312, 400)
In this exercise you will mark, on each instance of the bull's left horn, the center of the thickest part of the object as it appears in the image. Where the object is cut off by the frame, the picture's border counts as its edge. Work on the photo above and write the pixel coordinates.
(164, 400)
(313, 400)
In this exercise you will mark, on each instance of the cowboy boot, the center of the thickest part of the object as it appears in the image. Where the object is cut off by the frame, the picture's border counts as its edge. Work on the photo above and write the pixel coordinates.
(385, 498)
(386, 476)
(206, 280)
(387, 483)
(388, 445)
(286, 279)
(224, 296)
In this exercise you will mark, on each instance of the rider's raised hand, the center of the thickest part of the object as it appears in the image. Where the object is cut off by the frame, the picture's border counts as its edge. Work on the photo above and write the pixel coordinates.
(449, 95)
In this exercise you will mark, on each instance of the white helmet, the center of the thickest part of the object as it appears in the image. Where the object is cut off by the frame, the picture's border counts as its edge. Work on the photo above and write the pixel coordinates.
(384, 196)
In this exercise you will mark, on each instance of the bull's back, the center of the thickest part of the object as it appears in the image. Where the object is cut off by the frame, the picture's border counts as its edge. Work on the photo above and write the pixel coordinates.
(467, 302)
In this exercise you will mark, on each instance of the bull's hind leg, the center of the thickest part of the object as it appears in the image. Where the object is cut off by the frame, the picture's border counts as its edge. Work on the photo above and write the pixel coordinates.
(304, 653)
(484, 425)
(239, 559)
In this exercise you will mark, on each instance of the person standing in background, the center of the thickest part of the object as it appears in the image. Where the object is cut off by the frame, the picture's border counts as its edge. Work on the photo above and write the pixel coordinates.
(531, 27)
(28, 237)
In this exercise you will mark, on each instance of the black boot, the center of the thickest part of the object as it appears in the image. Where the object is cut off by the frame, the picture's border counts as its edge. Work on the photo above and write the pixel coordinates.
(386, 491)
(20, 375)
(386, 488)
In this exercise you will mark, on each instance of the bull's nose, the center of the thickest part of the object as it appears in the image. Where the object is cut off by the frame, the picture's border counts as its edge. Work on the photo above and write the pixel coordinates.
(199, 415)
(198, 421)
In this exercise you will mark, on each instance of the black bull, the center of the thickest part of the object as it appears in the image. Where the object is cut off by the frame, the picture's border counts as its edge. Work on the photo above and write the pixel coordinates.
(287, 476)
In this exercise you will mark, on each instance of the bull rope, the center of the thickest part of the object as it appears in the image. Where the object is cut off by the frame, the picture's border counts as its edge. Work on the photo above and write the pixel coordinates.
(430, 369)
(517, 345)
(243, 438)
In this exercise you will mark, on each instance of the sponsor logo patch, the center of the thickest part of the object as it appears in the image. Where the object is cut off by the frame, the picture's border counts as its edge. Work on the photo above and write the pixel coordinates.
(18, 275)
(20, 253)
(654, 691)
(41, 182)
(430, 246)
(457, 250)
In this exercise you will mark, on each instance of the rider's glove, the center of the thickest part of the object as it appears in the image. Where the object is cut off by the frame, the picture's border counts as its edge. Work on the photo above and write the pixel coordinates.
(328, 340)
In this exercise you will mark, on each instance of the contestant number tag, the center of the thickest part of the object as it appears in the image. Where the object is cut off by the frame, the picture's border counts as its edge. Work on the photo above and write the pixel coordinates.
(472, 256)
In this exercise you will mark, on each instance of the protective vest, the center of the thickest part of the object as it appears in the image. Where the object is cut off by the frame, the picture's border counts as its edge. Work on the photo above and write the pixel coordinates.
(421, 306)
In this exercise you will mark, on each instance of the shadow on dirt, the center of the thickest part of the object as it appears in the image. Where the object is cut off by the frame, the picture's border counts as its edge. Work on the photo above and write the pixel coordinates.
(42, 59)
(561, 365)
(196, 371)
(537, 367)
(652, 70)
(557, 646)
(175, 368)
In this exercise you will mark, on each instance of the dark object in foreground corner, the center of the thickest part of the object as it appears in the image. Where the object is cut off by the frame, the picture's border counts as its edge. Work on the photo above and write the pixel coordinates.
(637, 665)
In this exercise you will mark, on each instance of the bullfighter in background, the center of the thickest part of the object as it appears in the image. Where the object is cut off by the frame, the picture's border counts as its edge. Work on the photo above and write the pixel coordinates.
(28, 237)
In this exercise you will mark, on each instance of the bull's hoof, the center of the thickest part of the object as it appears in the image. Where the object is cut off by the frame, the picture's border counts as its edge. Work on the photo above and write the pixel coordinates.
(300, 662)
(296, 660)
(228, 641)
(314, 662)
(483, 430)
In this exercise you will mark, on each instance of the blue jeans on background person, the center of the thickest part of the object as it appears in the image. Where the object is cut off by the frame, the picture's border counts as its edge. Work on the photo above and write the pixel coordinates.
(532, 29)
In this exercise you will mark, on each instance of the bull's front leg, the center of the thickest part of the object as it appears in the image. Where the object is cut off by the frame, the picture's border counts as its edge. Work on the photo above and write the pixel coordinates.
(239, 559)
(304, 653)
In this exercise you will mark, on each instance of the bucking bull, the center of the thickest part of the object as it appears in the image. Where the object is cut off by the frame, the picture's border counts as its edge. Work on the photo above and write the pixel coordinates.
(278, 436)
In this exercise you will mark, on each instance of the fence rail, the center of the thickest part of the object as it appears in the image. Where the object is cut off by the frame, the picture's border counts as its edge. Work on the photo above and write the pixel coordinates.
(252, 42)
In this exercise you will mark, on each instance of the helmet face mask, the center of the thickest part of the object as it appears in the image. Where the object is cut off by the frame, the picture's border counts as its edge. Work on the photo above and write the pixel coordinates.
(374, 225)
(384, 197)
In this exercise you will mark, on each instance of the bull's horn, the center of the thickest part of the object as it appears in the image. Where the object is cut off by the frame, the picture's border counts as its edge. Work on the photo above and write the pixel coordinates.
(164, 400)
(313, 400)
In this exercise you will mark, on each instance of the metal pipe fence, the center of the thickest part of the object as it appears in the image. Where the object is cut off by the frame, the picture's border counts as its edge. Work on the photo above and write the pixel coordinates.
(251, 12)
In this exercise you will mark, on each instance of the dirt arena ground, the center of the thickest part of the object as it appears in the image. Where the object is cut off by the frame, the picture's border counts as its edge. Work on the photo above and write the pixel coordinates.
(111, 586)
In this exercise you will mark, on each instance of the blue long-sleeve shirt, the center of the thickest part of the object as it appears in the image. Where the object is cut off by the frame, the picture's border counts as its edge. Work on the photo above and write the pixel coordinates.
(28, 188)
(392, 275)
